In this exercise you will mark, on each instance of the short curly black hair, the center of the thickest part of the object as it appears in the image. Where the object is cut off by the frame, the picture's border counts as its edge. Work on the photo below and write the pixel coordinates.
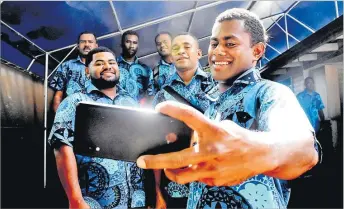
(188, 34)
(161, 33)
(90, 54)
(126, 33)
(86, 32)
(252, 24)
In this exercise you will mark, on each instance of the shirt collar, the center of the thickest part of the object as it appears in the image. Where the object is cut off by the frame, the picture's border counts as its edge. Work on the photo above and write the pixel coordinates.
(248, 77)
(162, 62)
(306, 92)
(199, 72)
(78, 59)
(121, 59)
(91, 88)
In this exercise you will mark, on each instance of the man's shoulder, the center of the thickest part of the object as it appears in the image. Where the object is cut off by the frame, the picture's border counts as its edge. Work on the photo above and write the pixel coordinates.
(124, 95)
(71, 61)
(316, 94)
(70, 102)
(143, 65)
(77, 97)
(67, 64)
(272, 88)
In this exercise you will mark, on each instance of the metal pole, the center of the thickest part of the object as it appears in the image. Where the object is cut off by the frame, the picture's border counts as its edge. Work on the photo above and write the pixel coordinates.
(31, 63)
(45, 116)
(336, 6)
(286, 30)
(116, 17)
(192, 17)
(301, 23)
(19, 34)
(273, 48)
(62, 61)
(153, 22)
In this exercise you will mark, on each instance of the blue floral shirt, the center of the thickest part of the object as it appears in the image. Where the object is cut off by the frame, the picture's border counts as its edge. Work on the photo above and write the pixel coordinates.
(136, 78)
(105, 183)
(251, 102)
(70, 77)
(199, 92)
(163, 72)
(311, 104)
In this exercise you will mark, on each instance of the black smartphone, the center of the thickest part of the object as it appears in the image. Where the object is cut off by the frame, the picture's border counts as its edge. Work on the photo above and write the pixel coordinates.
(124, 133)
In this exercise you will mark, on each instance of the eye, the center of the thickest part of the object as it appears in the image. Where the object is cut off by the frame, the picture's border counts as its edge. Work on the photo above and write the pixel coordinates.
(99, 63)
(230, 44)
(213, 45)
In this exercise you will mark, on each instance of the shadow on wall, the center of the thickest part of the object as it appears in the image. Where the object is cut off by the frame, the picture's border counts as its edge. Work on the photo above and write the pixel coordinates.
(22, 144)
(22, 99)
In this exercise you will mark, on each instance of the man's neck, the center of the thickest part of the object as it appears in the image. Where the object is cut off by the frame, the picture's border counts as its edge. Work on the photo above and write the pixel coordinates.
(167, 59)
(309, 91)
(110, 92)
(83, 59)
(128, 59)
(224, 85)
(187, 75)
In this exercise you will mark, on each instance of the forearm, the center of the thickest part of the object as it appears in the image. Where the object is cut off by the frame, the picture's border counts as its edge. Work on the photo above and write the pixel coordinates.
(287, 155)
(157, 178)
(57, 100)
(68, 173)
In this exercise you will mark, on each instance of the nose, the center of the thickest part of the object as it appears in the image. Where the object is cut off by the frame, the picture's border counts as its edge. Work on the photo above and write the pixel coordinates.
(219, 51)
(181, 51)
(106, 65)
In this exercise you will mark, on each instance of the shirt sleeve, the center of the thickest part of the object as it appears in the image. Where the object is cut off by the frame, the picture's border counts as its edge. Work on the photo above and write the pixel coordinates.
(280, 110)
(58, 83)
(319, 102)
(62, 131)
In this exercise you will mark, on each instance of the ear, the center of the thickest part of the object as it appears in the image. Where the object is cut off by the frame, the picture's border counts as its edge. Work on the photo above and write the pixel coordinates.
(258, 50)
(96, 45)
(87, 71)
(199, 53)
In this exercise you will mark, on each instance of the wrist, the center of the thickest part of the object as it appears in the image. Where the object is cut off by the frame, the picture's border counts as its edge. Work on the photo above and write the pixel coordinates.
(75, 200)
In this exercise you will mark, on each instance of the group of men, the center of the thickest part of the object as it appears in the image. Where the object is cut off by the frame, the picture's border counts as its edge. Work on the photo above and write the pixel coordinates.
(250, 135)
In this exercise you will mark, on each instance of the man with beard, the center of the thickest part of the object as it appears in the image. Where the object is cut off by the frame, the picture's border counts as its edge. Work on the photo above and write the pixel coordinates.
(71, 77)
(136, 77)
(164, 69)
(199, 89)
(91, 181)
(252, 139)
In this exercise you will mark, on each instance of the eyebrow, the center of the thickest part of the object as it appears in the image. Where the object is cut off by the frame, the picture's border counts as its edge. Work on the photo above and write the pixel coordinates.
(104, 60)
(226, 38)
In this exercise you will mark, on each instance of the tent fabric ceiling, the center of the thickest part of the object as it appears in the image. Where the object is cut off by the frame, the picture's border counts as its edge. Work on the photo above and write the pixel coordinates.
(29, 29)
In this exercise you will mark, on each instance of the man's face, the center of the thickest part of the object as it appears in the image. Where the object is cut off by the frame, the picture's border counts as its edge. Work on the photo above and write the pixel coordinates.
(163, 44)
(131, 44)
(185, 53)
(230, 51)
(104, 70)
(86, 43)
(309, 84)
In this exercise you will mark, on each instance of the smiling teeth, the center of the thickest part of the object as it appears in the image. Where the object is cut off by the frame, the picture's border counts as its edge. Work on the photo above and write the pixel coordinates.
(221, 63)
